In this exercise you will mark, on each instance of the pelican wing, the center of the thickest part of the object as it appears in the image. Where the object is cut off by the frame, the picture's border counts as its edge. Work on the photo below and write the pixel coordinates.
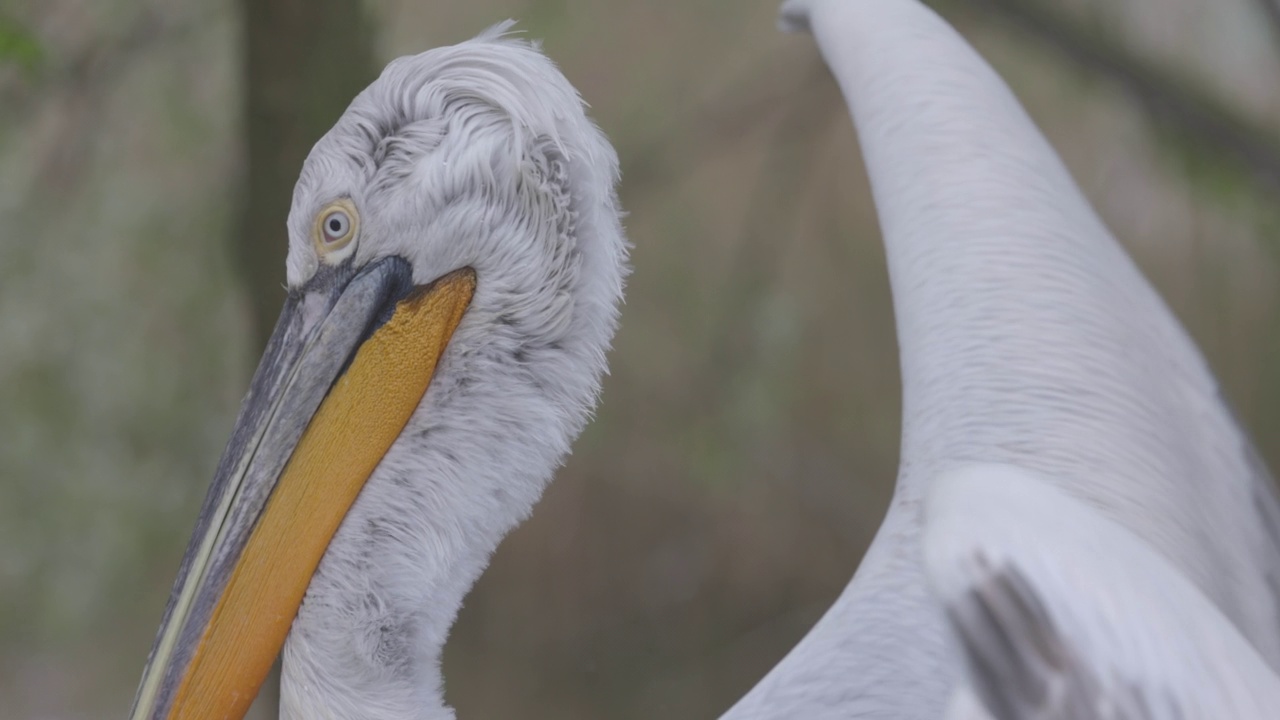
(1062, 614)
(1021, 667)
(1028, 337)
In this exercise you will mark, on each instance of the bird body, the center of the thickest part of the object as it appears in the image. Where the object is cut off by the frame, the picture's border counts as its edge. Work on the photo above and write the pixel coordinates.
(1027, 337)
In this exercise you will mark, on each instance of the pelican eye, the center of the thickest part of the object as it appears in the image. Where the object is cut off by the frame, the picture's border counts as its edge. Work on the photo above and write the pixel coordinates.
(336, 226)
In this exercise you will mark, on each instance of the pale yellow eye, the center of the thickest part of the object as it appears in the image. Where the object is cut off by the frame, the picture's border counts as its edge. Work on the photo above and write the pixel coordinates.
(336, 226)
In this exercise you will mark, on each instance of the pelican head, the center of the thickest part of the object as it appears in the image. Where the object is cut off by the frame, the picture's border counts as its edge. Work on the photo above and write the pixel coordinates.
(455, 267)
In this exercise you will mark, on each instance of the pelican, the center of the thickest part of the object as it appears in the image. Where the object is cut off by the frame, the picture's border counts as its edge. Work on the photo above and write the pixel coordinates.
(456, 261)
(1072, 487)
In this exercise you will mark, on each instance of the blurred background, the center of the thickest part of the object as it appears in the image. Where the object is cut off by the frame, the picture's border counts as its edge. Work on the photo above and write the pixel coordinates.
(747, 442)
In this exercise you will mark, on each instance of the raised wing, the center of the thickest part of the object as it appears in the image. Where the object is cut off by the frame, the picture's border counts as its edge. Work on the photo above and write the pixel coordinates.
(1028, 337)
(1062, 614)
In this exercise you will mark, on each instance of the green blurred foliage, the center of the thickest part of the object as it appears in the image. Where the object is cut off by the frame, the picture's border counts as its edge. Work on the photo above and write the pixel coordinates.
(18, 46)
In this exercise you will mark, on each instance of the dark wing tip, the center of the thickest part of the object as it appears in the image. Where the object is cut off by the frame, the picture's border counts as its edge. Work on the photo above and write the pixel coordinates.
(1020, 665)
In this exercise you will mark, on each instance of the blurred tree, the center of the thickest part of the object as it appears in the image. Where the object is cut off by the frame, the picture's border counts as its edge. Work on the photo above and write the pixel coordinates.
(1196, 120)
(1271, 8)
(304, 61)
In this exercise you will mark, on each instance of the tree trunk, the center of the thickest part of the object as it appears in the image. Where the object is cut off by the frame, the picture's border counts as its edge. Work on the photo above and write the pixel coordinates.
(304, 62)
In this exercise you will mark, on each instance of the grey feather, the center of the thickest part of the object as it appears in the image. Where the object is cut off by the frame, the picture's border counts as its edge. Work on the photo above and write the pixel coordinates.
(1019, 664)
(1062, 614)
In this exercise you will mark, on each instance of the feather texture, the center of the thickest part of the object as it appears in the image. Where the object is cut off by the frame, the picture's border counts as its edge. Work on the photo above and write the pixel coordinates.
(1061, 614)
(476, 155)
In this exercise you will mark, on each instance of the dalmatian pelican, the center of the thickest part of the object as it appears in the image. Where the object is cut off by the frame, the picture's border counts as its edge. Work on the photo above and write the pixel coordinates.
(1080, 529)
(456, 261)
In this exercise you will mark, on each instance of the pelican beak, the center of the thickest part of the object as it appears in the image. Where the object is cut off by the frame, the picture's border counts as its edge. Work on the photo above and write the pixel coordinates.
(347, 365)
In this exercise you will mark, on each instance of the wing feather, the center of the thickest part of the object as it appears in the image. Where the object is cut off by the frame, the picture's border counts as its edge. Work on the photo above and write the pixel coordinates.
(1062, 614)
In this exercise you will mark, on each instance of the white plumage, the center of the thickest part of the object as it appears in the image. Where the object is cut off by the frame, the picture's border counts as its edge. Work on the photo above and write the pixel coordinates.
(1063, 614)
(1028, 339)
(474, 155)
